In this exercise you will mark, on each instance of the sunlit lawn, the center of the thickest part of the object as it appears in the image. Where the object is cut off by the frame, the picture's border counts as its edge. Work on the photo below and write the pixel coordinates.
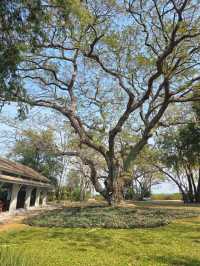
(175, 244)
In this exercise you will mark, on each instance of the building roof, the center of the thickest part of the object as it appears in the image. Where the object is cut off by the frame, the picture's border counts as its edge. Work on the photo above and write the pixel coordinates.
(10, 168)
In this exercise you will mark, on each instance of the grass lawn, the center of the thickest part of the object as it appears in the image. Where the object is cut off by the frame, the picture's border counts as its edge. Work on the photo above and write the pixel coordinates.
(177, 243)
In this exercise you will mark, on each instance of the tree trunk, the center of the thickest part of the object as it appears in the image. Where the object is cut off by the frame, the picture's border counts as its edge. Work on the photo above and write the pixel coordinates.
(114, 191)
(82, 194)
(190, 192)
(197, 196)
(117, 195)
(185, 197)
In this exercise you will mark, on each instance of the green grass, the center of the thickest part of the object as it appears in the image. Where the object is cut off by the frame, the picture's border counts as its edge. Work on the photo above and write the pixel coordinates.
(175, 196)
(109, 217)
(12, 257)
(175, 244)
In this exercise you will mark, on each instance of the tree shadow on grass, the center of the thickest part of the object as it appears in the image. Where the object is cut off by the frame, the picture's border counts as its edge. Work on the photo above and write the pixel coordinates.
(177, 261)
(69, 237)
(166, 203)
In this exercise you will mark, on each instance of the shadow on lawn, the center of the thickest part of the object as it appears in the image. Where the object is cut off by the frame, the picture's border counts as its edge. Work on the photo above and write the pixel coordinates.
(177, 261)
(72, 236)
(165, 203)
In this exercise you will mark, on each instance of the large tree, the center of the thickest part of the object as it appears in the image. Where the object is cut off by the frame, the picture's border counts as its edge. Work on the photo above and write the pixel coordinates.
(108, 65)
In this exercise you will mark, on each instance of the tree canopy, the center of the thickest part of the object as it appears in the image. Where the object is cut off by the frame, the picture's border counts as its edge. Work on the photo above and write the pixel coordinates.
(35, 149)
(110, 66)
(180, 159)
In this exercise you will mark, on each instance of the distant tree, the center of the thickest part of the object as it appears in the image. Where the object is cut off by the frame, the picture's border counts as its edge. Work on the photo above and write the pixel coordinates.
(36, 150)
(78, 183)
(180, 159)
(143, 175)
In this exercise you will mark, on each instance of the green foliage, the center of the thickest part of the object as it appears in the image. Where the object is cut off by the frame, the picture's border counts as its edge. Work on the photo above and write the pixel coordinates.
(75, 8)
(69, 194)
(182, 146)
(189, 142)
(144, 61)
(20, 23)
(112, 41)
(36, 150)
(73, 185)
(75, 195)
(180, 154)
(136, 194)
(75, 189)
(142, 174)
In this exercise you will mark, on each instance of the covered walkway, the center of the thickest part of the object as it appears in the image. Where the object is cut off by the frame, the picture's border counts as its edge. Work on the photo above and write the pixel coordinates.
(21, 187)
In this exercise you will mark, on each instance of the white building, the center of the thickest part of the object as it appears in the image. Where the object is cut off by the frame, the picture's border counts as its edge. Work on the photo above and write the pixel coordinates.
(21, 187)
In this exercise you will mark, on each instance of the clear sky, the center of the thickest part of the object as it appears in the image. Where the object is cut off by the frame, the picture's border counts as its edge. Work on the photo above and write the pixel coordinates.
(165, 187)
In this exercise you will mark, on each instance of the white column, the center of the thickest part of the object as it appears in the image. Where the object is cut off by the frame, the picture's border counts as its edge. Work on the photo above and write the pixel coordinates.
(37, 199)
(13, 200)
(44, 198)
(28, 197)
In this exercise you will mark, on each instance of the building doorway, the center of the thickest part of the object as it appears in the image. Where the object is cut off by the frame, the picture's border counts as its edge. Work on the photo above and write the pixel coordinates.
(21, 197)
(33, 197)
(5, 196)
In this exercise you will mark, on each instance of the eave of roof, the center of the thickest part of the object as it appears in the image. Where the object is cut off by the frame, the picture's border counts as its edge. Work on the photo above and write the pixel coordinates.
(21, 181)
(20, 170)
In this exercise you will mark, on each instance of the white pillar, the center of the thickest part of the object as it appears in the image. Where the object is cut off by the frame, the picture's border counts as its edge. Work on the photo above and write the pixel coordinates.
(13, 200)
(44, 198)
(28, 197)
(37, 199)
